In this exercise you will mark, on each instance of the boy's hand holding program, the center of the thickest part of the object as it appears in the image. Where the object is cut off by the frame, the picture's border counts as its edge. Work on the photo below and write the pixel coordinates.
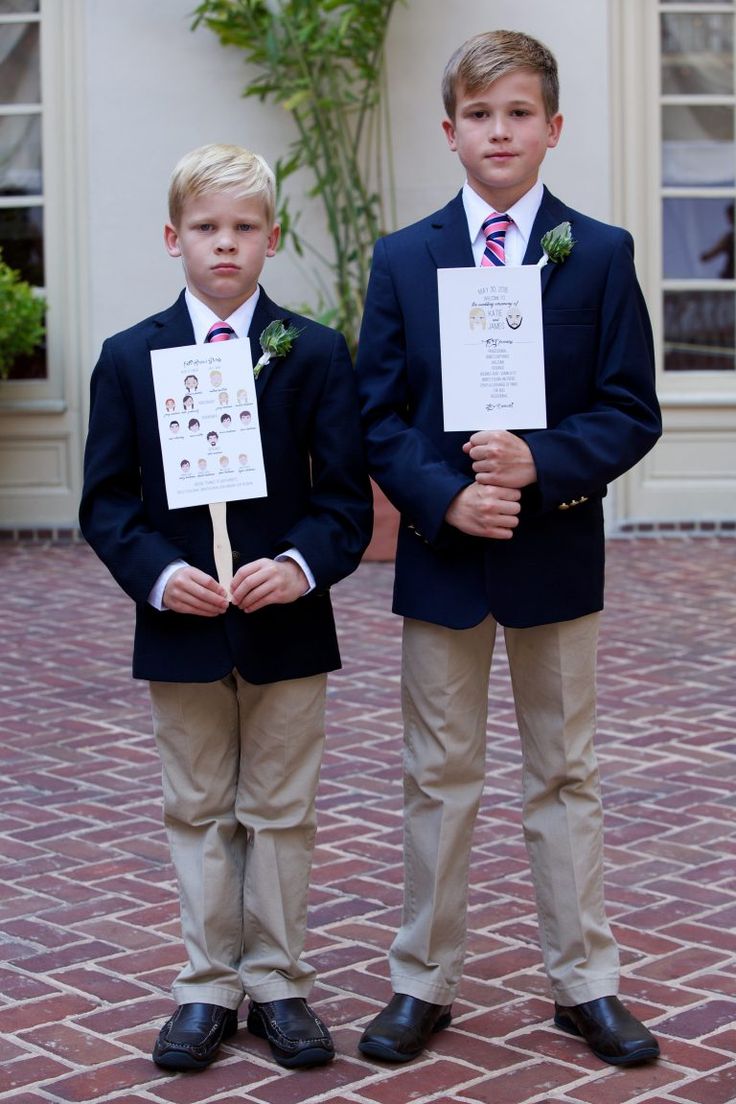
(480, 511)
(190, 590)
(503, 463)
(267, 582)
(501, 458)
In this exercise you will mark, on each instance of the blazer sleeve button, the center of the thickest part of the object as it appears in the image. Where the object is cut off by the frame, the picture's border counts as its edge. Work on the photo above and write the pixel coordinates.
(573, 502)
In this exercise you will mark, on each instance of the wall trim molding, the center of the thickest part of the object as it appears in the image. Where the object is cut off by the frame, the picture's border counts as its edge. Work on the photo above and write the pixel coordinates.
(49, 536)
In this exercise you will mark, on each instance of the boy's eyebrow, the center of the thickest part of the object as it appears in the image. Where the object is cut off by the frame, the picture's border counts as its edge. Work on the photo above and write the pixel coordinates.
(470, 105)
(205, 216)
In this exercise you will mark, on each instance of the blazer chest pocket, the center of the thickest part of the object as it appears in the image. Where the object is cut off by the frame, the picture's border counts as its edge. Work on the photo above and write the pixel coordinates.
(282, 396)
(576, 316)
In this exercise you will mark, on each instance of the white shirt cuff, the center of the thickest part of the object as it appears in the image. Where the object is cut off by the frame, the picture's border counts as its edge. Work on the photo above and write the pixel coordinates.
(156, 596)
(296, 556)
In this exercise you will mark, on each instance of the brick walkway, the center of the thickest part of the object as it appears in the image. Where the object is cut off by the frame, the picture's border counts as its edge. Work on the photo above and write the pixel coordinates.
(87, 903)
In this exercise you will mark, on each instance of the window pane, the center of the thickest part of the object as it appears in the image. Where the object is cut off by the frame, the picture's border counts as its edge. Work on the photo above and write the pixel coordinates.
(698, 146)
(20, 155)
(30, 367)
(699, 331)
(20, 79)
(697, 53)
(697, 238)
(21, 241)
(18, 7)
(21, 246)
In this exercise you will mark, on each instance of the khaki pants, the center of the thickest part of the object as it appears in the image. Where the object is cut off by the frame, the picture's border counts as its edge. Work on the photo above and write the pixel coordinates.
(240, 771)
(445, 704)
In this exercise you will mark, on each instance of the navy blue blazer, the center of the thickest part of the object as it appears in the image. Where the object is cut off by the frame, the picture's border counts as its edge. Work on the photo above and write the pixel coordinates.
(602, 417)
(318, 502)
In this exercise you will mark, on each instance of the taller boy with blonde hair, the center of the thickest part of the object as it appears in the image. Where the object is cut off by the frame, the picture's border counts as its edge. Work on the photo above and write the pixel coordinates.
(237, 677)
(503, 528)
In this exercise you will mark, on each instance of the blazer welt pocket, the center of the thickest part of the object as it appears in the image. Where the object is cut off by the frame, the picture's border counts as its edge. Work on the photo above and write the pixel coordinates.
(281, 396)
(580, 316)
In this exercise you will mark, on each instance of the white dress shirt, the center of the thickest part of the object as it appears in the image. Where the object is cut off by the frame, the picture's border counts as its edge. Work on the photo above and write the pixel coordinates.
(202, 319)
(523, 213)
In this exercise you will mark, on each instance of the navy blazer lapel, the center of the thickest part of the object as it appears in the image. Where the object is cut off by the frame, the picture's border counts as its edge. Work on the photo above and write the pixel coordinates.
(550, 214)
(448, 240)
(449, 244)
(266, 311)
(172, 327)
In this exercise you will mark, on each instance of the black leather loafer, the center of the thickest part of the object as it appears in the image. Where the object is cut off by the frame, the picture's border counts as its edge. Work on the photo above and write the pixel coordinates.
(403, 1029)
(610, 1030)
(190, 1039)
(297, 1036)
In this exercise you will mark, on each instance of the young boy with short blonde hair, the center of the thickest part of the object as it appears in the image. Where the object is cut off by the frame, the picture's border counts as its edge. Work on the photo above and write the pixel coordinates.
(504, 528)
(237, 677)
(221, 168)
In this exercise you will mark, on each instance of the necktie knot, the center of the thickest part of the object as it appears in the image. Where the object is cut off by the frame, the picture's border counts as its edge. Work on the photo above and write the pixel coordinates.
(494, 228)
(219, 331)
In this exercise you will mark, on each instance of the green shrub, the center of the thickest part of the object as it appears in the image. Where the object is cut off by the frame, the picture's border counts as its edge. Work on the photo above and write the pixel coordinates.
(21, 317)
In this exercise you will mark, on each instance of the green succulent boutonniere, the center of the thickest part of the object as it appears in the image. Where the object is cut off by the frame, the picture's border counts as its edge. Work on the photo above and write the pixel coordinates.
(557, 244)
(276, 341)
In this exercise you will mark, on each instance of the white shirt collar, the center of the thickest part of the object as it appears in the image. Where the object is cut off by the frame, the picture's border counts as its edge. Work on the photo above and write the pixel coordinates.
(523, 212)
(202, 317)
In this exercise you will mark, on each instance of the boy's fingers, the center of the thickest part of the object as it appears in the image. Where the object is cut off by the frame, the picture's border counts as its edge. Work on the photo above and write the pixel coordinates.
(268, 581)
(210, 584)
(245, 579)
(257, 586)
(259, 596)
(190, 590)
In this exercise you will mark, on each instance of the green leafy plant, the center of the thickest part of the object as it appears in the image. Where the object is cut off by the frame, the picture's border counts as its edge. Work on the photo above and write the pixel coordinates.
(322, 61)
(21, 318)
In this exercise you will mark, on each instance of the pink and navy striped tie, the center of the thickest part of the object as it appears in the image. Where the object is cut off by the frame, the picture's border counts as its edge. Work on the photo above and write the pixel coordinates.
(495, 228)
(219, 331)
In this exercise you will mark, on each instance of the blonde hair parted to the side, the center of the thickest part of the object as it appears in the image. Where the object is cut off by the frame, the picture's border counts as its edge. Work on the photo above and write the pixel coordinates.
(221, 168)
(486, 57)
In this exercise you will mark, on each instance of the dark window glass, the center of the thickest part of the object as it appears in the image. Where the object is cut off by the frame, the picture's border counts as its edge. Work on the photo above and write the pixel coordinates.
(699, 331)
(21, 241)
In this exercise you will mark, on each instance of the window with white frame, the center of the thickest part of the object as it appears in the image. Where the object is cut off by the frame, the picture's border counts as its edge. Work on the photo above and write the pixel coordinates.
(698, 184)
(21, 170)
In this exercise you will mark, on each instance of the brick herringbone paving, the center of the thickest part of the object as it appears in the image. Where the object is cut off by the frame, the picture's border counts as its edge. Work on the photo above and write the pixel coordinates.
(88, 907)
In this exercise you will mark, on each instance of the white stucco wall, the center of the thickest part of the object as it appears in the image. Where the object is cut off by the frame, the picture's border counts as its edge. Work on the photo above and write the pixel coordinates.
(423, 35)
(155, 89)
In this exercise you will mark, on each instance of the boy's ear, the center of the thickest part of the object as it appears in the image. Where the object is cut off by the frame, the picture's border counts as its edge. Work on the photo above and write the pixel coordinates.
(171, 240)
(554, 131)
(273, 240)
(449, 128)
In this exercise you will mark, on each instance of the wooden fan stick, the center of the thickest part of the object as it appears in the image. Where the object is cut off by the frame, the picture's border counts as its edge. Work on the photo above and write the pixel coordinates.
(221, 544)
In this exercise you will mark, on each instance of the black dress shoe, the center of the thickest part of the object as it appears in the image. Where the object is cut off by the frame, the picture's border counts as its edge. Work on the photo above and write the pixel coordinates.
(191, 1038)
(403, 1029)
(610, 1030)
(297, 1036)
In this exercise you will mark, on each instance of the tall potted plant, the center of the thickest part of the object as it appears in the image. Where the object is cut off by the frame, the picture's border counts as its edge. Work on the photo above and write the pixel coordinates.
(322, 61)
